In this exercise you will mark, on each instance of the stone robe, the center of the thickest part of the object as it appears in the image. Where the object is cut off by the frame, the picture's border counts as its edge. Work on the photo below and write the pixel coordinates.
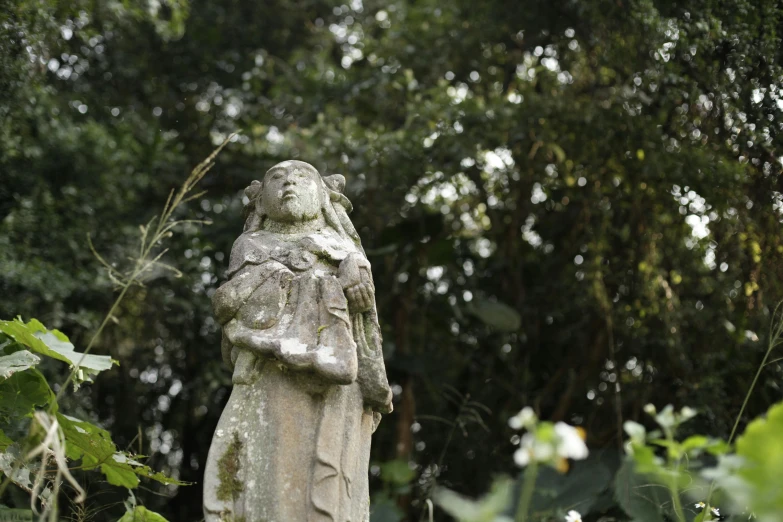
(293, 442)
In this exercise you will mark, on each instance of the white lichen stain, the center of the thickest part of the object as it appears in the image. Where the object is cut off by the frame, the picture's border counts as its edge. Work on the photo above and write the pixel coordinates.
(325, 355)
(261, 421)
(292, 347)
(219, 433)
(245, 291)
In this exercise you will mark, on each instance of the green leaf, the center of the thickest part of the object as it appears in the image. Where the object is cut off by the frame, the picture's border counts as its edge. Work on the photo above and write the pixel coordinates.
(397, 472)
(95, 448)
(17, 362)
(645, 499)
(495, 314)
(578, 489)
(695, 442)
(141, 514)
(4, 441)
(761, 451)
(639, 498)
(12, 466)
(384, 509)
(16, 515)
(21, 393)
(489, 508)
(54, 344)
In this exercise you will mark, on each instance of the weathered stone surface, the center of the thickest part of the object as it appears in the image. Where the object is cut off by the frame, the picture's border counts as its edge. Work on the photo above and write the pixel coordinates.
(300, 331)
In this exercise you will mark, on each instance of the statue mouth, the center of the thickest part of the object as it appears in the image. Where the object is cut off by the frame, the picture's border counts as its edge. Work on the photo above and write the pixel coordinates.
(289, 194)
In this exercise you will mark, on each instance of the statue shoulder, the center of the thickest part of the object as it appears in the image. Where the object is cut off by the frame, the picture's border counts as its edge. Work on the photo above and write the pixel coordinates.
(327, 243)
(249, 248)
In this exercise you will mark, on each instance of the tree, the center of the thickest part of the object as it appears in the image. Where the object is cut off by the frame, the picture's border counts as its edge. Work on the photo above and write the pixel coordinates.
(574, 206)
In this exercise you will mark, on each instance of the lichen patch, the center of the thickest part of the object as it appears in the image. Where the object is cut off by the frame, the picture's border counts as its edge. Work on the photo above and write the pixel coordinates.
(230, 486)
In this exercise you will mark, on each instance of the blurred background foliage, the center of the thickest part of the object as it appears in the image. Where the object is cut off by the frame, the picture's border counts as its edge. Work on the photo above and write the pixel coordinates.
(570, 205)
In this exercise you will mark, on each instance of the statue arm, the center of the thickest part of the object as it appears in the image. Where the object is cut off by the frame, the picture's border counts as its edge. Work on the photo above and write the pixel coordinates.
(356, 278)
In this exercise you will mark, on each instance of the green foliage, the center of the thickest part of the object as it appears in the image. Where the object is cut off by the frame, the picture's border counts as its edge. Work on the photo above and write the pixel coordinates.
(642, 499)
(4, 442)
(141, 514)
(94, 447)
(137, 513)
(581, 489)
(54, 344)
(21, 393)
(760, 449)
(486, 509)
(15, 515)
(25, 389)
(16, 362)
(397, 472)
(384, 509)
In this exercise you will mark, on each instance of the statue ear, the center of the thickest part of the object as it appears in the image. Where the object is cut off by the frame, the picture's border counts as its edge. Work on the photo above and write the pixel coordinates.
(335, 182)
(253, 190)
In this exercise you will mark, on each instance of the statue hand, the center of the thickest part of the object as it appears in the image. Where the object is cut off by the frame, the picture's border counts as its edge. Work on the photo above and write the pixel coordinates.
(361, 297)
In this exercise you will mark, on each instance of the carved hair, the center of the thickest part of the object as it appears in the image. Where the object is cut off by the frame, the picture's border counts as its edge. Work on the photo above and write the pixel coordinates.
(335, 206)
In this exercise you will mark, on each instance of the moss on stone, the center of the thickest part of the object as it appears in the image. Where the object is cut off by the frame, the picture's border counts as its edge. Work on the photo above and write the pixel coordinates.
(228, 472)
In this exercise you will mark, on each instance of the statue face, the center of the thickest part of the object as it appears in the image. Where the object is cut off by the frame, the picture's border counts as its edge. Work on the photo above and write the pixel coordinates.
(291, 192)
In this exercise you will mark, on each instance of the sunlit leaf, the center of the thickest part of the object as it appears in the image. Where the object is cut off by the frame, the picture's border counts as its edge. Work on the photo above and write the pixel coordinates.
(95, 448)
(54, 344)
(17, 362)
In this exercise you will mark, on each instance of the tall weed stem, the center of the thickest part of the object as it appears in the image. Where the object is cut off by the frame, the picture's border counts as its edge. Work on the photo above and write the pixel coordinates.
(526, 495)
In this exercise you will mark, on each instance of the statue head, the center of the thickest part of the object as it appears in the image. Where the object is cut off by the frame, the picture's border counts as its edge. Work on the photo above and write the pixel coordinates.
(294, 192)
(291, 192)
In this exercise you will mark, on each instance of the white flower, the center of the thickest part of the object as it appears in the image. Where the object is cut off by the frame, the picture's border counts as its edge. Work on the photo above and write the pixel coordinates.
(522, 457)
(569, 442)
(716, 512)
(532, 448)
(635, 431)
(524, 419)
(701, 505)
(665, 418)
(650, 409)
(687, 413)
(543, 451)
(573, 516)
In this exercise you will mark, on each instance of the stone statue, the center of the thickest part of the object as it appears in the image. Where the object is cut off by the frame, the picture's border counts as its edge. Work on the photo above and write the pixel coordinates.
(300, 330)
